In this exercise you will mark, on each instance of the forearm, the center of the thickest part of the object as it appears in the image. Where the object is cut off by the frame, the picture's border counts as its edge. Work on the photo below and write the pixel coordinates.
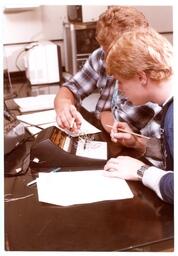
(137, 151)
(63, 97)
(159, 180)
(106, 118)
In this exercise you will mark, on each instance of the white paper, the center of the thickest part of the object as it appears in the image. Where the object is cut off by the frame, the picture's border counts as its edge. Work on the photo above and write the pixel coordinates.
(92, 149)
(88, 128)
(40, 102)
(47, 118)
(80, 187)
(34, 130)
(38, 118)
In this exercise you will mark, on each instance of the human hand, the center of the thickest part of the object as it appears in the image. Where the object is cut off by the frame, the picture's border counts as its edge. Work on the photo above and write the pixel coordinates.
(126, 138)
(124, 167)
(69, 118)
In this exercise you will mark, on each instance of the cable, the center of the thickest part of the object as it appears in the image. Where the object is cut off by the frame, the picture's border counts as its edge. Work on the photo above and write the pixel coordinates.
(18, 56)
(21, 52)
(12, 95)
(19, 89)
(12, 199)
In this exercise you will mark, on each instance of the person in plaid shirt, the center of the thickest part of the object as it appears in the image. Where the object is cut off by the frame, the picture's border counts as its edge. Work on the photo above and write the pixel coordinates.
(111, 25)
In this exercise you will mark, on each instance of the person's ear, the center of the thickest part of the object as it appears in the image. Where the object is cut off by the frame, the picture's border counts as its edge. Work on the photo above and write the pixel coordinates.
(143, 78)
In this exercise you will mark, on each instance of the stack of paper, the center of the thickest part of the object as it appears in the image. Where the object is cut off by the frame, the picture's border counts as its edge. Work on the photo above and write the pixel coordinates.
(36, 103)
(47, 118)
(80, 187)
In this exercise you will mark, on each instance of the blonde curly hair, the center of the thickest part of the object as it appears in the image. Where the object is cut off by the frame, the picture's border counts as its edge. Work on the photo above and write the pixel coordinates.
(140, 50)
(115, 21)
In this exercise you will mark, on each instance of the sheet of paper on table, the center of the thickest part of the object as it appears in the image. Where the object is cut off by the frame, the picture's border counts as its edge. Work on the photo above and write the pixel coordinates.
(35, 103)
(47, 118)
(80, 187)
(92, 149)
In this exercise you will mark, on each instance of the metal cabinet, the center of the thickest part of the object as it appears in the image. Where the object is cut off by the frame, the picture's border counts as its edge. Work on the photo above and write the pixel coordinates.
(79, 42)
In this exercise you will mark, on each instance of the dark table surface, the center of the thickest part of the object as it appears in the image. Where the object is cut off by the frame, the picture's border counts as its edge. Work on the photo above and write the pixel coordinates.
(141, 223)
(144, 223)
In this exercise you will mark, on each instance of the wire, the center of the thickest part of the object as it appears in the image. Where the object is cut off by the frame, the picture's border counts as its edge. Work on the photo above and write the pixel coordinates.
(33, 125)
(7, 200)
(20, 53)
(18, 56)
(18, 90)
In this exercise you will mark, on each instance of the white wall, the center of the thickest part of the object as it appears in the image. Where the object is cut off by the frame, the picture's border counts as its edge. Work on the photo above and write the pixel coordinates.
(23, 27)
(91, 13)
(159, 17)
(45, 23)
(52, 19)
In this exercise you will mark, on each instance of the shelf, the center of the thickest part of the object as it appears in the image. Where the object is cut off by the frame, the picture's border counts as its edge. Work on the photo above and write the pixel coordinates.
(14, 9)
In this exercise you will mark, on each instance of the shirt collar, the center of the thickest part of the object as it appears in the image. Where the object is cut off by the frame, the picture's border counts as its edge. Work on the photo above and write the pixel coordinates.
(167, 100)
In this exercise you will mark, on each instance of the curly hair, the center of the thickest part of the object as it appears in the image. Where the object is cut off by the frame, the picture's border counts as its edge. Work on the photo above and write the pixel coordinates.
(141, 50)
(115, 21)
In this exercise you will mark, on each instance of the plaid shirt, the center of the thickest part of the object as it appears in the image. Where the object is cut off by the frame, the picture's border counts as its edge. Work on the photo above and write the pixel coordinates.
(144, 118)
(93, 76)
(90, 78)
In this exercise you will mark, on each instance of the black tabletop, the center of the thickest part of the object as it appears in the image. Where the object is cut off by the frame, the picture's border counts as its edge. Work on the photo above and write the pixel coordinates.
(142, 223)
(103, 226)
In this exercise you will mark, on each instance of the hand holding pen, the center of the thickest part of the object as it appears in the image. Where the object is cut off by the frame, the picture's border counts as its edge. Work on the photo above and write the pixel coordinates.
(69, 118)
(122, 133)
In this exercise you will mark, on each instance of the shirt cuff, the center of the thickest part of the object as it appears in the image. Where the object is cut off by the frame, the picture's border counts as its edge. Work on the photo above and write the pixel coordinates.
(152, 177)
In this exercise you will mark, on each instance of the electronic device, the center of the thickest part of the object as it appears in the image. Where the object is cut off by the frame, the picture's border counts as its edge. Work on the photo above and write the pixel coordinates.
(79, 43)
(16, 162)
(16, 153)
(43, 63)
(54, 148)
(74, 13)
(14, 132)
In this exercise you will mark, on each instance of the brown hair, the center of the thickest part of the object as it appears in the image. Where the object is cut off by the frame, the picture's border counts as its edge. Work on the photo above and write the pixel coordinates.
(117, 20)
(140, 50)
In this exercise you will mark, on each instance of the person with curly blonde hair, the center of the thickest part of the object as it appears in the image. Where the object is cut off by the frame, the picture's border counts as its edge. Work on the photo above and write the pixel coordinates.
(92, 77)
(111, 24)
(142, 62)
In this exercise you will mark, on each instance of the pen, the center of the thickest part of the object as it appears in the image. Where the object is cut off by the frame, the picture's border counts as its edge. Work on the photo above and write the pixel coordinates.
(85, 144)
(32, 182)
(56, 170)
(132, 133)
(72, 123)
(35, 181)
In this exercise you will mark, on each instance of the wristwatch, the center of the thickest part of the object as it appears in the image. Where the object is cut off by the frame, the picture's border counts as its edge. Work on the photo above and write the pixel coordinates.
(140, 172)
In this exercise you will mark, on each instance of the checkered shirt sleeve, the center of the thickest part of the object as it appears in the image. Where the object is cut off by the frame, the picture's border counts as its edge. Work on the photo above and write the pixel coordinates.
(92, 77)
